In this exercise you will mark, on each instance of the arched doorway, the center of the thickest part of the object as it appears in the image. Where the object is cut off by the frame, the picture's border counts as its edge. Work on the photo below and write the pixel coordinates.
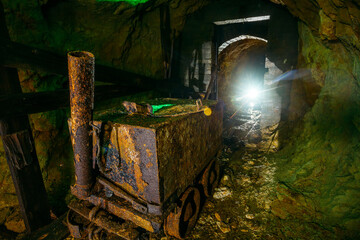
(247, 87)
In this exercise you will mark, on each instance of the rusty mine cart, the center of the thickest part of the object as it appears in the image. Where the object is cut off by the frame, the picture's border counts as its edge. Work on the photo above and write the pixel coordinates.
(139, 170)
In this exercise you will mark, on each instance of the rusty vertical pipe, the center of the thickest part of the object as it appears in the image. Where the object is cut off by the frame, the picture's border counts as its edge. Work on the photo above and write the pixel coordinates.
(81, 67)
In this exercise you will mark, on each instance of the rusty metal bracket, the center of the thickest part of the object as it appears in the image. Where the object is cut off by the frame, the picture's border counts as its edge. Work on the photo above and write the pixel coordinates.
(120, 207)
(106, 221)
(199, 104)
(96, 152)
(132, 108)
(93, 212)
(94, 232)
(137, 204)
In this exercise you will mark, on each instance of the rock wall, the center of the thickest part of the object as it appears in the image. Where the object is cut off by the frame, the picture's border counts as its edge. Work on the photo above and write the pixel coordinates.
(319, 166)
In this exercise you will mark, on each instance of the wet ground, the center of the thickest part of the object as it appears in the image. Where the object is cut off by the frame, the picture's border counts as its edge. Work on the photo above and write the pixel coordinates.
(240, 208)
(242, 205)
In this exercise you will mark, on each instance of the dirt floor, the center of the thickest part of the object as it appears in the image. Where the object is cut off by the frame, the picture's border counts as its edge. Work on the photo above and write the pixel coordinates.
(241, 205)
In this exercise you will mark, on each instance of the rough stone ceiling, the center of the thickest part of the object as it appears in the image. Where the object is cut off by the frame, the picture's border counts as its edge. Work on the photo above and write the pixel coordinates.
(132, 2)
(332, 20)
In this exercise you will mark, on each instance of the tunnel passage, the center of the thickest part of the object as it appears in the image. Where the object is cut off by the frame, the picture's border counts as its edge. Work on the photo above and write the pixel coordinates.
(246, 85)
(251, 102)
(241, 67)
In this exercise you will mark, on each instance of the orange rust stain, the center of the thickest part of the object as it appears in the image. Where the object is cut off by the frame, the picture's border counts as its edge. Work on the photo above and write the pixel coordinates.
(149, 165)
(128, 188)
(131, 155)
(149, 153)
(128, 215)
(77, 158)
(114, 139)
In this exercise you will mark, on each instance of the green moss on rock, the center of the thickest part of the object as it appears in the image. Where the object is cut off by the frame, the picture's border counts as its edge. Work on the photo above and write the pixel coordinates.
(322, 160)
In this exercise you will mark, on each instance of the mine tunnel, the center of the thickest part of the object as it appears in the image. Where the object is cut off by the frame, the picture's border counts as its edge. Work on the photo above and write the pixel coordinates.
(179, 119)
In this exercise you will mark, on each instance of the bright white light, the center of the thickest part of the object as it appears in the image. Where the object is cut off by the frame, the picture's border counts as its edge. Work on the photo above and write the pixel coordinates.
(253, 93)
(252, 104)
(243, 20)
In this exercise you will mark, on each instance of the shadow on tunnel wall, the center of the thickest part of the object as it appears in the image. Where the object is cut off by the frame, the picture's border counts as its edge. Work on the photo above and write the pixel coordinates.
(196, 71)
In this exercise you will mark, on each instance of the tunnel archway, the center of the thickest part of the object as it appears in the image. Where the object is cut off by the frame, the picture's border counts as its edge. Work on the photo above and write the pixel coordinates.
(244, 67)
(239, 38)
(241, 65)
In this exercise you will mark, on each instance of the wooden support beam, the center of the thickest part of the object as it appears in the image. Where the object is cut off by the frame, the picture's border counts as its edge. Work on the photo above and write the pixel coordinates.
(20, 153)
(16, 55)
(15, 105)
(22, 160)
(166, 43)
(213, 86)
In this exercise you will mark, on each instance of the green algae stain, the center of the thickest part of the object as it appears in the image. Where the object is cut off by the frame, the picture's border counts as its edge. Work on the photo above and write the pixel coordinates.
(158, 107)
(132, 2)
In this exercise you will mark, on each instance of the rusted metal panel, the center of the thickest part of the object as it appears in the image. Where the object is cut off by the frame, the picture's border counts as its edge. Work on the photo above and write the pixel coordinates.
(132, 161)
(185, 147)
(81, 82)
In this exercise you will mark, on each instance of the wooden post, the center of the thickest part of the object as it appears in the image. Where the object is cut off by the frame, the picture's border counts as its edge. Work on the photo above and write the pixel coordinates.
(166, 42)
(213, 84)
(20, 153)
(17, 55)
(28, 103)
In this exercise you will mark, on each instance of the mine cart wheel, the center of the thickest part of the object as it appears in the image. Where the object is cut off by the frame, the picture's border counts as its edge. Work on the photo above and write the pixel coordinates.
(183, 218)
(209, 178)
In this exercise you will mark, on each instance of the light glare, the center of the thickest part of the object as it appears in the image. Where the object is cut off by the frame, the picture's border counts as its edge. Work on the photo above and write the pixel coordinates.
(253, 93)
